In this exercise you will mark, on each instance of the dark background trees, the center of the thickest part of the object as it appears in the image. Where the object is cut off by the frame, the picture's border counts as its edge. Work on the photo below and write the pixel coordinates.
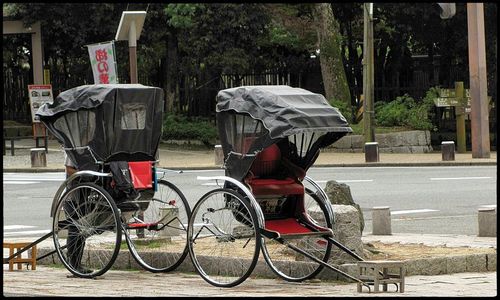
(192, 50)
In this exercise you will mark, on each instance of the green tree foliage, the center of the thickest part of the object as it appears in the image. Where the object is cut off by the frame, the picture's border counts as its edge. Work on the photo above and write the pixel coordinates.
(178, 127)
(185, 47)
(406, 112)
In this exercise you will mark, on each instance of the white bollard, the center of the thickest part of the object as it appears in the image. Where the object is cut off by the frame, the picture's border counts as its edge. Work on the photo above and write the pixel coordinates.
(381, 218)
(219, 155)
(487, 221)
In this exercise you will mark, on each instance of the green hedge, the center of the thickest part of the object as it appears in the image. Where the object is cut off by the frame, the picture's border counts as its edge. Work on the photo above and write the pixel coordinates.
(405, 111)
(178, 127)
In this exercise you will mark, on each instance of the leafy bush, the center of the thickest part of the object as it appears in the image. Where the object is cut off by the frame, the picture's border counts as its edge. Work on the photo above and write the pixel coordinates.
(178, 127)
(405, 111)
(344, 108)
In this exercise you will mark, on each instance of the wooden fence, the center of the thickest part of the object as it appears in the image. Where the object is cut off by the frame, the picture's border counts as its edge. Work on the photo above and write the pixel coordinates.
(197, 94)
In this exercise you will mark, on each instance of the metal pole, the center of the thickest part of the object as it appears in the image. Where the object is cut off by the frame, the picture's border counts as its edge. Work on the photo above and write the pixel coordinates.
(480, 136)
(460, 115)
(368, 75)
(132, 47)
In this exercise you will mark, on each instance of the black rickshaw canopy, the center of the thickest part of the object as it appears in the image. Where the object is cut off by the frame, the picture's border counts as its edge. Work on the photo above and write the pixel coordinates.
(251, 118)
(116, 121)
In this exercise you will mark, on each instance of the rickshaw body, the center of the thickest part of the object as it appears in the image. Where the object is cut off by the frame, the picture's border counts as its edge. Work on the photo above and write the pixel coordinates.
(270, 136)
(111, 133)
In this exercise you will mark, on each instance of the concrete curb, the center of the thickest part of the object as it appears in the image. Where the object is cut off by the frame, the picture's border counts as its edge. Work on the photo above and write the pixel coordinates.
(421, 266)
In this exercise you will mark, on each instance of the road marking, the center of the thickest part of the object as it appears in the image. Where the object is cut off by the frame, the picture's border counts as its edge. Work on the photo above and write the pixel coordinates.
(348, 181)
(19, 182)
(35, 178)
(317, 181)
(434, 218)
(458, 178)
(414, 211)
(30, 232)
(490, 205)
(10, 227)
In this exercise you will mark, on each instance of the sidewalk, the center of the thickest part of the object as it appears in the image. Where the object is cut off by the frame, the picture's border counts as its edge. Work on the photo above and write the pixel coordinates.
(46, 281)
(57, 281)
(172, 158)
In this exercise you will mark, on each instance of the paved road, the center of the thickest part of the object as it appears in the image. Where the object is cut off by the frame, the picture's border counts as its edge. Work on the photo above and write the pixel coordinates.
(422, 199)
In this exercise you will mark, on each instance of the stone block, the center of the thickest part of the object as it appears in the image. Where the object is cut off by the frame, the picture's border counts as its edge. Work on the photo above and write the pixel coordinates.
(346, 230)
(262, 269)
(186, 266)
(426, 266)
(357, 141)
(48, 260)
(344, 143)
(456, 264)
(476, 263)
(123, 259)
(340, 194)
(491, 262)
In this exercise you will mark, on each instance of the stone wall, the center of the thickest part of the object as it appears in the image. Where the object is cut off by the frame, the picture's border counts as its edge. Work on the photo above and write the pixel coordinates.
(416, 141)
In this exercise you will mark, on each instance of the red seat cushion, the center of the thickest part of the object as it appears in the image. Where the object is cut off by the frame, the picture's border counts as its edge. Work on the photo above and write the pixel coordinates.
(142, 174)
(271, 186)
(286, 226)
(291, 226)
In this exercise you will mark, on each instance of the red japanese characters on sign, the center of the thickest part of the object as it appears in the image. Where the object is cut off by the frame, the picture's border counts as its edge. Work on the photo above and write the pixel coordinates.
(103, 63)
(102, 66)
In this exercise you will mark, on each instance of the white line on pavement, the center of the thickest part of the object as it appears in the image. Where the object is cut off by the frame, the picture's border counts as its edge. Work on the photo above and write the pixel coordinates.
(19, 182)
(458, 178)
(413, 211)
(350, 181)
(10, 227)
(25, 232)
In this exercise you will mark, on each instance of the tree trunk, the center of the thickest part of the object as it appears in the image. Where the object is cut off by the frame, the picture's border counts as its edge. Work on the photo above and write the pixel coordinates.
(172, 86)
(332, 68)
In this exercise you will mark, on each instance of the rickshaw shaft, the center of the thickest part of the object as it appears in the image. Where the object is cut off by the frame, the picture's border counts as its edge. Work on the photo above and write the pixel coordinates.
(321, 262)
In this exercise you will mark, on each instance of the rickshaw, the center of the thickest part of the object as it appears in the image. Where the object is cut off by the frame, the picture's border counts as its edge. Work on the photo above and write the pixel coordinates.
(111, 133)
(270, 137)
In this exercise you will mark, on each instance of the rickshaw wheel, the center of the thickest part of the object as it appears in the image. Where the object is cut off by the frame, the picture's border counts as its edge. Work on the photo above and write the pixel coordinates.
(87, 230)
(279, 257)
(224, 239)
(162, 246)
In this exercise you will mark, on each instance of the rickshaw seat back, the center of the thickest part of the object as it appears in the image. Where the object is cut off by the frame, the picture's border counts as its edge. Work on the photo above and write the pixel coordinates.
(142, 174)
(266, 163)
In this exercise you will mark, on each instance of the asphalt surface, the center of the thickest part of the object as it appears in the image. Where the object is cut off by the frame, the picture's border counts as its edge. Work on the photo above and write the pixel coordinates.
(54, 281)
